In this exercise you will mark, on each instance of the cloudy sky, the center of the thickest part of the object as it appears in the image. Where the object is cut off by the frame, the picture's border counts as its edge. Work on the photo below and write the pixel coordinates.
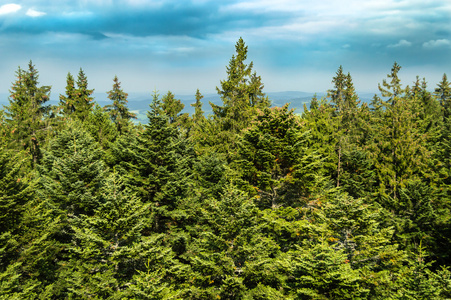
(183, 45)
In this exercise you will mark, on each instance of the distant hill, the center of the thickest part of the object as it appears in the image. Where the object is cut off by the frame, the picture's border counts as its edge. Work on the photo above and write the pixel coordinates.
(139, 102)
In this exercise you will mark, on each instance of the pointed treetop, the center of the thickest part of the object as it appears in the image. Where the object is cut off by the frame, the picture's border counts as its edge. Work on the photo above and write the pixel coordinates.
(393, 88)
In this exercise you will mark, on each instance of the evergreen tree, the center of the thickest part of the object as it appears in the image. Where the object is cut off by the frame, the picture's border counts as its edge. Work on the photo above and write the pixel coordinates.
(15, 191)
(161, 167)
(72, 171)
(241, 91)
(242, 95)
(26, 112)
(337, 94)
(172, 107)
(345, 102)
(443, 93)
(68, 102)
(229, 255)
(274, 159)
(108, 247)
(398, 147)
(102, 128)
(198, 112)
(118, 111)
(84, 101)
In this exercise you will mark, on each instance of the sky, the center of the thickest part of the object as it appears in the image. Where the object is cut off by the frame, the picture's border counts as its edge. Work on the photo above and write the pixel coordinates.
(178, 45)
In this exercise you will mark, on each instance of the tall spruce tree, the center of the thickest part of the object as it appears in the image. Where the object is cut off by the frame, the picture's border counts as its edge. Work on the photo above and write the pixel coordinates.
(345, 102)
(443, 93)
(26, 112)
(242, 95)
(160, 170)
(68, 102)
(198, 115)
(84, 100)
(399, 147)
(118, 111)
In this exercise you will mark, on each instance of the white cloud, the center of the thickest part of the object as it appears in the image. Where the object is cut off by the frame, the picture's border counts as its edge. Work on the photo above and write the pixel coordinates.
(34, 13)
(437, 43)
(9, 8)
(401, 43)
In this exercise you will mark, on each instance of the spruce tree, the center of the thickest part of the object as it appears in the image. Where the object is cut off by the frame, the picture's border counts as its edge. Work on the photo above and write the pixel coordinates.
(72, 171)
(15, 191)
(274, 160)
(241, 91)
(443, 93)
(68, 102)
(198, 115)
(118, 111)
(242, 95)
(398, 146)
(26, 112)
(172, 107)
(345, 101)
(108, 247)
(160, 170)
(229, 255)
(84, 100)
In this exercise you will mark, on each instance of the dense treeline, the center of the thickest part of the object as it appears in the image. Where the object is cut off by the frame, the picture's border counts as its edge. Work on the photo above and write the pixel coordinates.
(347, 201)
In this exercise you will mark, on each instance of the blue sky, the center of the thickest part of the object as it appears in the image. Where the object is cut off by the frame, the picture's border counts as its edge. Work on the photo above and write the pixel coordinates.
(184, 45)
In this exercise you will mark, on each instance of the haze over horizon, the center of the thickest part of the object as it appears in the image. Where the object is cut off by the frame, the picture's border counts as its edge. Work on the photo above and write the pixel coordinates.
(185, 45)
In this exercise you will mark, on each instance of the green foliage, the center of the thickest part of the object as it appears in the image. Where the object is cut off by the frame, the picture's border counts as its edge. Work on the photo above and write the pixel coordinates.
(118, 111)
(15, 192)
(242, 95)
(229, 254)
(172, 107)
(109, 243)
(274, 159)
(101, 128)
(68, 102)
(160, 169)
(198, 116)
(72, 171)
(26, 112)
(346, 201)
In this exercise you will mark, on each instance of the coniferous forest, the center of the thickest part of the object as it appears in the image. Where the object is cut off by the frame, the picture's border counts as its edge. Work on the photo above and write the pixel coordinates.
(348, 200)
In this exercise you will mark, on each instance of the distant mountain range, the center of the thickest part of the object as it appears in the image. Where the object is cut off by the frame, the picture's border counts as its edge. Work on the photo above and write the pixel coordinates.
(139, 102)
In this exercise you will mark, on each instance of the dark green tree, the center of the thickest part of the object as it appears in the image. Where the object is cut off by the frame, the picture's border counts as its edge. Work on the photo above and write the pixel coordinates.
(443, 93)
(72, 171)
(84, 100)
(172, 107)
(68, 102)
(26, 112)
(229, 255)
(108, 247)
(118, 111)
(160, 169)
(198, 115)
(15, 192)
(274, 160)
(242, 95)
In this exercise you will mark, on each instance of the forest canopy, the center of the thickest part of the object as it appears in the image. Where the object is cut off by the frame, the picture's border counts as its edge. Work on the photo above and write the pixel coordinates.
(348, 200)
